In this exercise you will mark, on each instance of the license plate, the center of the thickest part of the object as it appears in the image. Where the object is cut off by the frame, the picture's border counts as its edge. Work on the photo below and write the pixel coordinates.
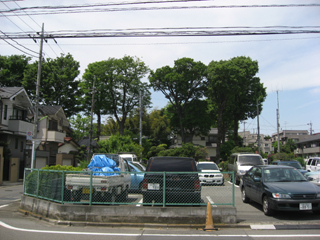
(153, 186)
(305, 206)
(85, 190)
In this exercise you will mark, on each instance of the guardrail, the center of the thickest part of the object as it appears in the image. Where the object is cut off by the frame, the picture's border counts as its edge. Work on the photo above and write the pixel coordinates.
(51, 185)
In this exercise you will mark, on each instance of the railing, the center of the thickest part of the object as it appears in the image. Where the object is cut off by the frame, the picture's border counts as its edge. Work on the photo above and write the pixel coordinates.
(168, 189)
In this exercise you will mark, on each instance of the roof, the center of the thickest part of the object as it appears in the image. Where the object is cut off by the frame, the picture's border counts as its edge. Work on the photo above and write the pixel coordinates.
(85, 142)
(15, 92)
(310, 139)
(49, 110)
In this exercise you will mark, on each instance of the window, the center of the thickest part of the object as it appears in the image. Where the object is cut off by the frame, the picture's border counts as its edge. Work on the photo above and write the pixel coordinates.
(16, 143)
(21, 146)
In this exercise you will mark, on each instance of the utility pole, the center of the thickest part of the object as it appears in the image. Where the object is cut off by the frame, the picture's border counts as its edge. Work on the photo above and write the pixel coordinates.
(278, 124)
(91, 118)
(258, 127)
(244, 133)
(36, 142)
(310, 127)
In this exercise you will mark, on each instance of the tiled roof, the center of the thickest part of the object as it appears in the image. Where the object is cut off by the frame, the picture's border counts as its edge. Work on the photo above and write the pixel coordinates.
(8, 92)
(48, 110)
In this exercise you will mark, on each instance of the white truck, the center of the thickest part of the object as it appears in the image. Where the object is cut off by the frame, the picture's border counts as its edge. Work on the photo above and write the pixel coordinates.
(105, 186)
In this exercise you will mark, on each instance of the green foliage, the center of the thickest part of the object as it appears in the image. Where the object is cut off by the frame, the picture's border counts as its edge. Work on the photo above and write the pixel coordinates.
(223, 165)
(181, 84)
(154, 150)
(301, 161)
(119, 143)
(62, 168)
(80, 126)
(12, 69)
(187, 150)
(243, 149)
(58, 84)
(225, 150)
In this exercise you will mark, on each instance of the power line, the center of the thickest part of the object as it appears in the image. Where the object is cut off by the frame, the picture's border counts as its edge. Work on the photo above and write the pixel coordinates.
(45, 10)
(17, 48)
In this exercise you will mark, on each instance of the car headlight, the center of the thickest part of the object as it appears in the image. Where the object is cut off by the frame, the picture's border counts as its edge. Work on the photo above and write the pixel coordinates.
(218, 175)
(280, 195)
(242, 172)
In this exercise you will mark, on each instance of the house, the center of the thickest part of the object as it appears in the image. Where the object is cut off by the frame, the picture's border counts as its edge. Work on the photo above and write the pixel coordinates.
(52, 129)
(15, 121)
(309, 147)
(66, 151)
(295, 135)
(209, 141)
(252, 139)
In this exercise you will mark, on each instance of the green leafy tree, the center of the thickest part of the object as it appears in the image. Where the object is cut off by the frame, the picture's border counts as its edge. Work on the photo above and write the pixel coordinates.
(196, 121)
(12, 69)
(119, 143)
(290, 146)
(187, 150)
(118, 84)
(80, 126)
(180, 84)
(160, 130)
(58, 85)
(234, 90)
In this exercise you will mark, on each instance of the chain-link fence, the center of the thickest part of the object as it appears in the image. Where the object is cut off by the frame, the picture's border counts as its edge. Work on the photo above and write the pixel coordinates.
(136, 188)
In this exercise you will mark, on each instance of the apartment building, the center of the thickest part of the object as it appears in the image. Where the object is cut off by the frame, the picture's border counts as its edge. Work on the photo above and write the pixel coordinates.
(252, 139)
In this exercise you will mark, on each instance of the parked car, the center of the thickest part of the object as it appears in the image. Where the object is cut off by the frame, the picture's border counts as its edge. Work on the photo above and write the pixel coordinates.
(313, 164)
(139, 165)
(209, 173)
(137, 176)
(313, 177)
(292, 163)
(181, 183)
(281, 188)
(240, 163)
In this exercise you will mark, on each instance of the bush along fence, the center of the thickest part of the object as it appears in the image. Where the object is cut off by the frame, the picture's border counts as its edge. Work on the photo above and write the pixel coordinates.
(135, 188)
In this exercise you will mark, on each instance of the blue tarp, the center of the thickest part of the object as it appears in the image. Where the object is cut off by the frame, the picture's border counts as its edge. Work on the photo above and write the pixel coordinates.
(103, 166)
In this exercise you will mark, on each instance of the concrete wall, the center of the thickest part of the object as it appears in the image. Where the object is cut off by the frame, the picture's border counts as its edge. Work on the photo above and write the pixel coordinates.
(63, 158)
(14, 170)
(128, 214)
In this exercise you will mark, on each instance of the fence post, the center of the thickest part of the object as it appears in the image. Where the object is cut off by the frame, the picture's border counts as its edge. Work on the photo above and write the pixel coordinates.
(38, 183)
(62, 187)
(233, 200)
(164, 190)
(90, 195)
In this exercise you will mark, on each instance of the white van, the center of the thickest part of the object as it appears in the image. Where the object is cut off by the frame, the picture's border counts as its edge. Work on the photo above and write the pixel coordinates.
(240, 163)
(313, 164)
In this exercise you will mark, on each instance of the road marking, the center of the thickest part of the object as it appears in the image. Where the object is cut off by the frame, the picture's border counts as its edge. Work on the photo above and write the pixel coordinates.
(160, 235)
(4, 206)
(263, 227)
(211, 201)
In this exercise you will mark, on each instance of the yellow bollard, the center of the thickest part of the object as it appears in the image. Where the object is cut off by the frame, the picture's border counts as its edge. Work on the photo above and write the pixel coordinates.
(209, 222)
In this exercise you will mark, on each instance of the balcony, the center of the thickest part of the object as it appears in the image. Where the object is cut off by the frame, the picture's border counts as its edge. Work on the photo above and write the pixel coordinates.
(19, 125)
(307, 150)
(55, 136)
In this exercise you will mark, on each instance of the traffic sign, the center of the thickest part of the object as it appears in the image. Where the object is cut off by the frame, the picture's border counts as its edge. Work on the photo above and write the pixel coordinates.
(29, 135)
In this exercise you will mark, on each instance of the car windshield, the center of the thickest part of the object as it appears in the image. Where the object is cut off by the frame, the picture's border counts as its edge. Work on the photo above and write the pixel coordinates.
(250, 160)
(207, 166)
(292, 164)
(138, 166)
(282, 175)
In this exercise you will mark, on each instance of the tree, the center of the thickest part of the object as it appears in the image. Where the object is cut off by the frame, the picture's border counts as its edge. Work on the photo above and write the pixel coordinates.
(80, 126)
(196, 121)
(234, 91)
(160, 131)
(118, 83)
(12, 69)
(181, 84)
(58, 85)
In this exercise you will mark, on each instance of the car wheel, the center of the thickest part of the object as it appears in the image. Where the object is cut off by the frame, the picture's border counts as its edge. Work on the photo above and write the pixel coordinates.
(237, 181)
(266, 206)
(245, 199)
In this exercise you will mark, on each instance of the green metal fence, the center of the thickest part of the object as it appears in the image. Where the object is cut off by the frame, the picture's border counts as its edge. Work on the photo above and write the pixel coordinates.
(130, 188)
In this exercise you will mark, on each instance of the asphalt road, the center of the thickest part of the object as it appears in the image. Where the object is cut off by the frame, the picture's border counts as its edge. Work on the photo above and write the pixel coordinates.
(14, 225)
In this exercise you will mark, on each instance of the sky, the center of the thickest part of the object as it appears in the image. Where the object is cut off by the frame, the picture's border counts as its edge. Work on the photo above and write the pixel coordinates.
(289, 64)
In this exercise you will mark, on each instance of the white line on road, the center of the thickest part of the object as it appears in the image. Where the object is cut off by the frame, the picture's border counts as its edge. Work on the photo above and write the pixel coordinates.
(211, 201)
(159, 235)
(4, 206)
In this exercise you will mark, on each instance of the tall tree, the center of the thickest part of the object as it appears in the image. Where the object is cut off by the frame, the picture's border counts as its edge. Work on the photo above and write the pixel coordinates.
(12, 69)
(118, 84)
(58, 84)
(181, 84)
(233, 90)
(80, 126)
(197, 120)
